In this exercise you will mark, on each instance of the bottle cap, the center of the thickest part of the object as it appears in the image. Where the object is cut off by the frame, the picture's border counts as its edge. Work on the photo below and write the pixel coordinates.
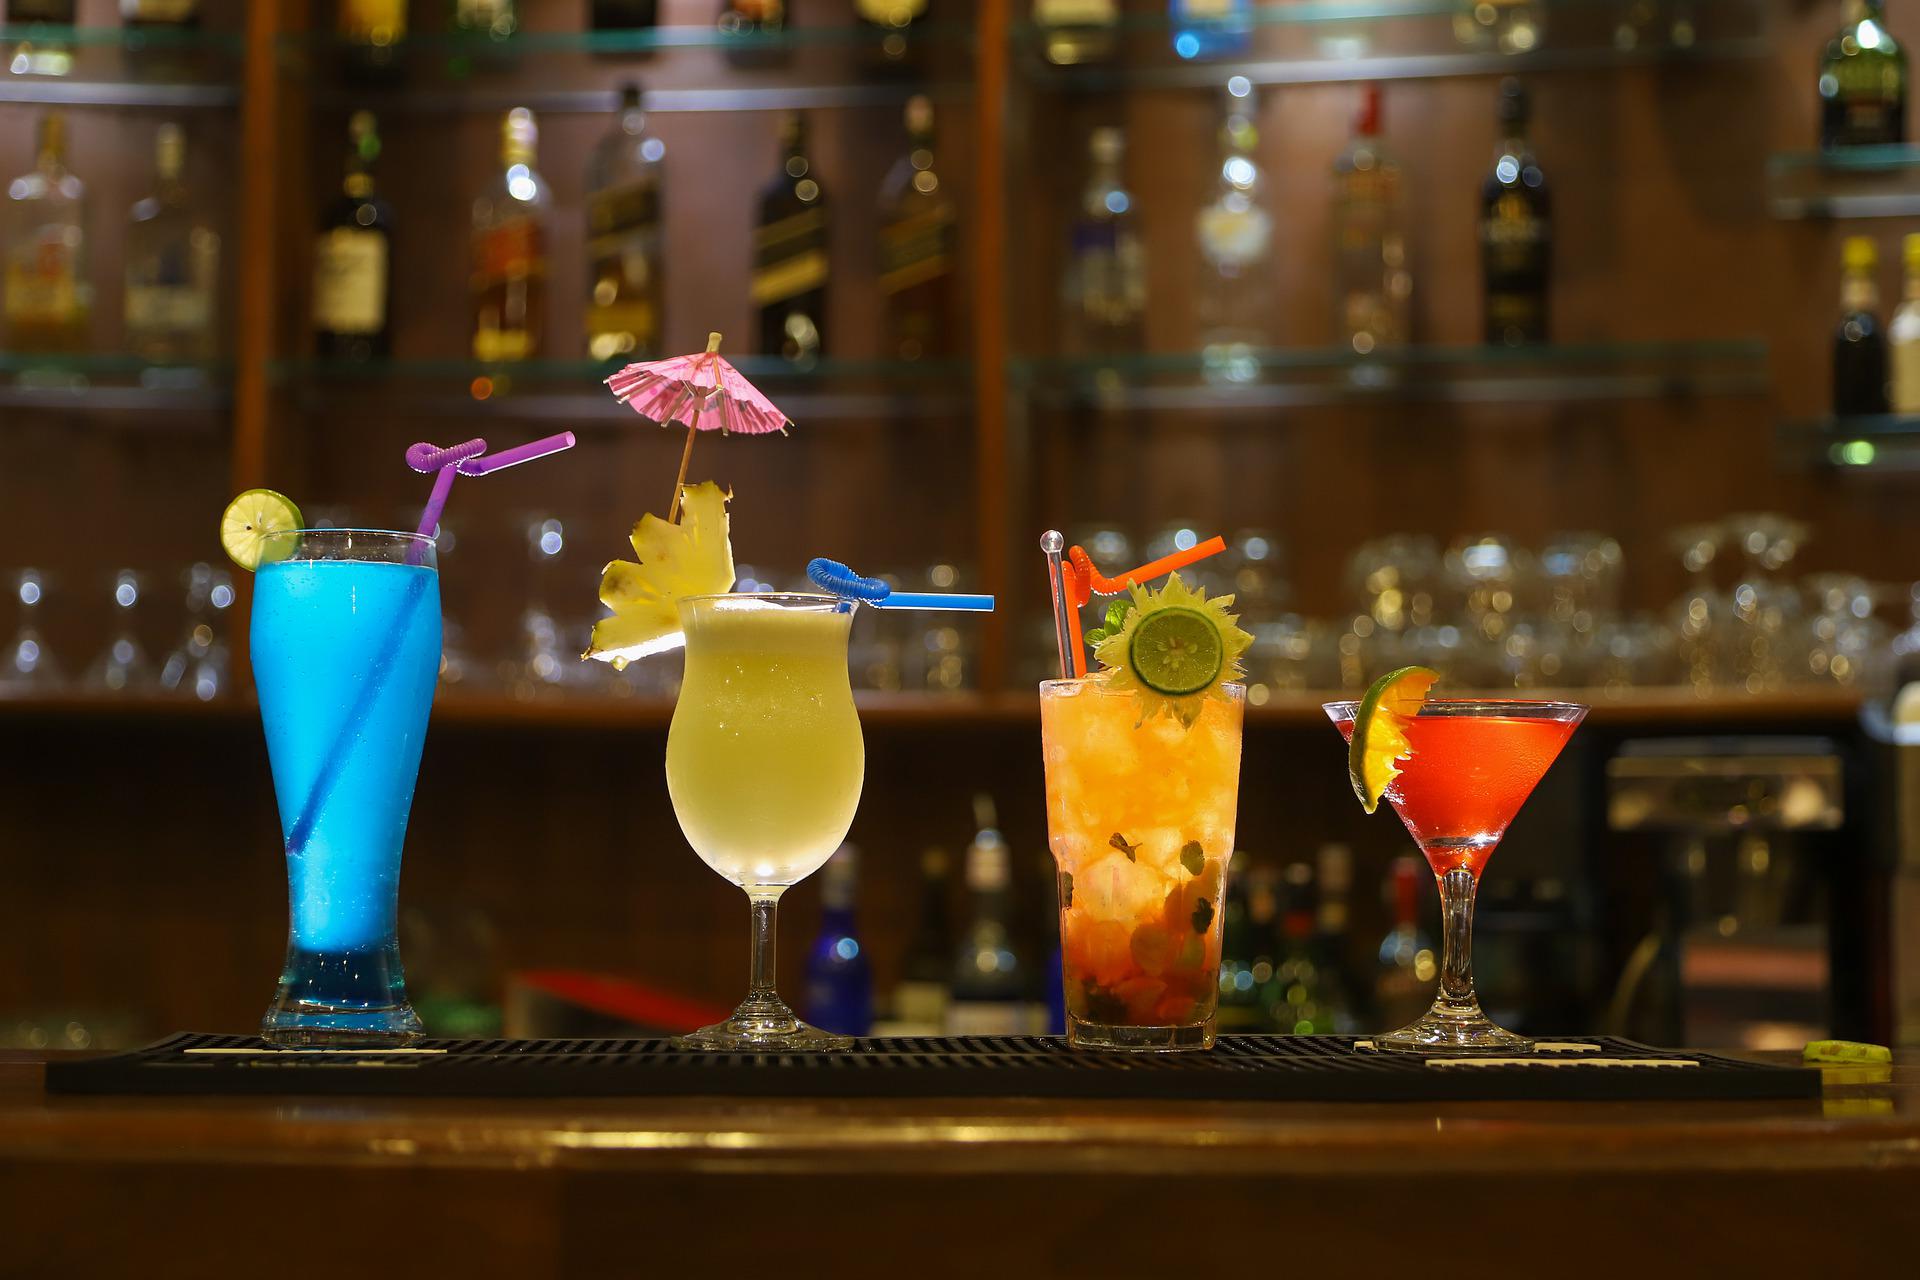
(1367, 123)
(1859, 253)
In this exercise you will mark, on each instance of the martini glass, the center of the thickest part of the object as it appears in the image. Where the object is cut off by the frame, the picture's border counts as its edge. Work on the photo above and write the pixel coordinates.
(1474, 763)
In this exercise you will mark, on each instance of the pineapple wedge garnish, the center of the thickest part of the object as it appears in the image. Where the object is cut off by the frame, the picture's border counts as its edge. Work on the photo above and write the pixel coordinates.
(691, 558)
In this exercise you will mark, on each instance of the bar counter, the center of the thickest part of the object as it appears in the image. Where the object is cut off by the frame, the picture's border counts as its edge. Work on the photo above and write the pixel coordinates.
(189, 1186)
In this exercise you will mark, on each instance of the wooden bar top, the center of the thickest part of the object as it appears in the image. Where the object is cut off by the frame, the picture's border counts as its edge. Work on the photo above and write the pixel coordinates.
(596, 1186)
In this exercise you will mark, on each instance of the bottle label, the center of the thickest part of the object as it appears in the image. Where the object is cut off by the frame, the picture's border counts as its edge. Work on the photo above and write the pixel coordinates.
(1512, 230)
(623, 250)
(790, 257)
(160, 10)
(43, 284)
(1061, 13)
(890, 13)
(1231, 236)
(168, 308)
(1906, 375)
(510, 251)
(379, 21)
(350, 281)
(1869, 97)
(915, 250)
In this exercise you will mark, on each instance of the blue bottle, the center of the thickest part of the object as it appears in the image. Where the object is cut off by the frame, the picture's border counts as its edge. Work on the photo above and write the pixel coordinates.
(1211, 28)
(839, 984)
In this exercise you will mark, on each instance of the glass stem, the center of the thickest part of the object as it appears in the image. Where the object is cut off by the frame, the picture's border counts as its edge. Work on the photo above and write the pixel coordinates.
(766, 904)
(1456, 998)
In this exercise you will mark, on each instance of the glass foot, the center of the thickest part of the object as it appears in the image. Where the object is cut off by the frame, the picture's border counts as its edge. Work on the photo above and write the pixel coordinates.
(1437, 1032)
(300, 1024)
(763, 1027)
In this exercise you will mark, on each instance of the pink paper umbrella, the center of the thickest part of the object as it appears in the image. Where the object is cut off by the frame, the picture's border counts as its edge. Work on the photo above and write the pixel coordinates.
(701, 392)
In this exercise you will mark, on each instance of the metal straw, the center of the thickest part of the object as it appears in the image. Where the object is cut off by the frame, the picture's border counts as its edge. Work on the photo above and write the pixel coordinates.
(1052, 543)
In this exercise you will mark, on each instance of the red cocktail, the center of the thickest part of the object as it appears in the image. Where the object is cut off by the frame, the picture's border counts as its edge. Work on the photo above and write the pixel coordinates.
(1473, 763)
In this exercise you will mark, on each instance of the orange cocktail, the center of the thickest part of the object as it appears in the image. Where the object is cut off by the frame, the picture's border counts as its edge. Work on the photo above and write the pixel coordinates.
(1140, 816)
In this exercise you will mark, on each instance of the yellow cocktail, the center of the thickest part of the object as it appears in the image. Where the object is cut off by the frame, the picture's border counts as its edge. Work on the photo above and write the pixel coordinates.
(764, 764)
(1140, 816)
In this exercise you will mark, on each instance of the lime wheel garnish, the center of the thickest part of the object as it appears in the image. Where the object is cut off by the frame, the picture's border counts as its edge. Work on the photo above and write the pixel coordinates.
(250, 520)
(1176, 651)
(1379, 741)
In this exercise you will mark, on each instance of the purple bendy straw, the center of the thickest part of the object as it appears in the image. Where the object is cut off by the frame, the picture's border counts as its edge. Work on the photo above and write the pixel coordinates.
(470, 459)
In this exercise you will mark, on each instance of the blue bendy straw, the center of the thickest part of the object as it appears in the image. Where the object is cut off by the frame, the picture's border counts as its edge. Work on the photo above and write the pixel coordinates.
(831, 575)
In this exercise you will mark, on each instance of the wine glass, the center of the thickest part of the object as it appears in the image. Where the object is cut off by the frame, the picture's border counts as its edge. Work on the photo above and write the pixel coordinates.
(765, 762)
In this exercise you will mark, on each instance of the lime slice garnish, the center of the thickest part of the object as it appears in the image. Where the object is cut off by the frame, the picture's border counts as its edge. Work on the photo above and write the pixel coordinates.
(1177, 651)
(249, 519)
(1379, 740)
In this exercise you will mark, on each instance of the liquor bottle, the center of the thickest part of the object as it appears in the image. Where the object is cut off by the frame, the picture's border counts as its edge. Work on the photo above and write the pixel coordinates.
(624, 15)
(1903, 334)
(1210, 28)
(892, 23)
(352, 259)
(173, 265)
(370, 34)
(1373, 289)
(1516, 231)
(1301, 1007)
(510, 249)
(625, 268)
(1333, 871)
(789, 287)
(43, 56)
(160, 13)
(1403, 981)
(48, 296)
(1077, 31)
(989, 989)
(920, 1000)
(1863, 81)
(759, 24)
(1235, 233)
(916, 249)
(839, 984)
(1859, 346)
(1106, 300)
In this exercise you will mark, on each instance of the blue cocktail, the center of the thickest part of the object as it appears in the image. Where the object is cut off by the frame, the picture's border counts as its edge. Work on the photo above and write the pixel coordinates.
(346, 653)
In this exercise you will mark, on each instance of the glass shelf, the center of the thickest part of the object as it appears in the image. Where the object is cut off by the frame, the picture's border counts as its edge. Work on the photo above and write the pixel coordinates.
(1879, 444)
(1859, 182)
(1330, 41)
(572, 389)
(686, 68)
(120, 66)
(111, 383)
(1293, 377)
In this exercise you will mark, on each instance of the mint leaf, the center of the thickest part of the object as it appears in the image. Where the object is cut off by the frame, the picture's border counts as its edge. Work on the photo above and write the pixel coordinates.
(1131, 850)
(1066, 890)
(1193, 857)
(1116, 616)
(1202, 915)
(1096, 637)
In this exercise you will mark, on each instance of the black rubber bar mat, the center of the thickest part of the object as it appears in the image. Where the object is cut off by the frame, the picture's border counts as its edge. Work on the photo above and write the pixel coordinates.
(1256, 1068)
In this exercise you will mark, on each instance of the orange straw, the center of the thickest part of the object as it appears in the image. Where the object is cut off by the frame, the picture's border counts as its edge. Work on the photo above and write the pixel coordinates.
(1083, 582)
(1087, 578)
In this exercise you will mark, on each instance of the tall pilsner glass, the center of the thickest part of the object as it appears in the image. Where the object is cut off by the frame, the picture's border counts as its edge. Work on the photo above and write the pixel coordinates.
(346, 653)
(764, 764)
